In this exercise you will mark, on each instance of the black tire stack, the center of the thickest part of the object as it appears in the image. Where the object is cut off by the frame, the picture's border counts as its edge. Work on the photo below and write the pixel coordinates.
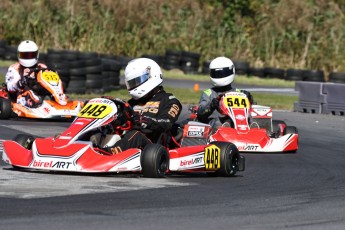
(336, 77)
(294, 75)
(189, 62)
(11, 53)
(241, 67)
(205, 69)
(3, 44)
(270, 72)
(313, 75)
(256, 72)
(172, 59)
(110, 74)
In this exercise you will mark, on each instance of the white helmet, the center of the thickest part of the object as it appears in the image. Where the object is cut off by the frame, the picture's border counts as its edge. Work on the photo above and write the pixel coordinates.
(222, 71)
(28, 53)
(142, 75)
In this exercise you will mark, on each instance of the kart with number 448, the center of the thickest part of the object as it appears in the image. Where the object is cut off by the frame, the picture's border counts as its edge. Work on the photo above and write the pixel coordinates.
(55, 103)
(80, 148)
(249, 127)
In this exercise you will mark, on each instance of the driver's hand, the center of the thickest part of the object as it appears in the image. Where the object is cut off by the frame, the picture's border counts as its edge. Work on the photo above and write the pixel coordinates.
(215, 104)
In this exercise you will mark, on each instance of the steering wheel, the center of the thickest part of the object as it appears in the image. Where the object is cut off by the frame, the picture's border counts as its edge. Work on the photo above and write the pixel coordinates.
(126, 114)
(38, 69)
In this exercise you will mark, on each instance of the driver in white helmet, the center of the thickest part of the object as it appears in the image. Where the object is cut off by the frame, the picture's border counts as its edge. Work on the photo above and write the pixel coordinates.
(222, 74)
(17, 78)
(156, 111)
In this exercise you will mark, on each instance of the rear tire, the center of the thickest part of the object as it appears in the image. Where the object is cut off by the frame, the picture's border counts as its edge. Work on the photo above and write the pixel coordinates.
(229, 159)
(5, 108)
(24, 140)
(154, 161)
(278, 127)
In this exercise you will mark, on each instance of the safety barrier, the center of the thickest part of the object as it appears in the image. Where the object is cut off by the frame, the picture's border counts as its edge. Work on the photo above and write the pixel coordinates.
(321, 98)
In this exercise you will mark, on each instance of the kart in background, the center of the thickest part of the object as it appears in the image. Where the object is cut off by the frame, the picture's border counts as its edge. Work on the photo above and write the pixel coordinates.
(80, 148)
(249, 127)
(55, 103)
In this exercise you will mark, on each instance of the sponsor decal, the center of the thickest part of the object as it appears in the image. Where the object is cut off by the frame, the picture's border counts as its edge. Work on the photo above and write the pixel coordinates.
(47, 110)
(51, 164)
(195, 131)
(212, 157)
(240, 117)
(248, 148)
(191, 161)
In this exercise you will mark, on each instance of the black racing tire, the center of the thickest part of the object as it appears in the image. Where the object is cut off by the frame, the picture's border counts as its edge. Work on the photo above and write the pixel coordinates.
(229, 159)
(274, 73)
(241, 67)
(336, 77)
(290, 130)
(313, 75)
(5, 109)
(154, 161)
(278, 126)
(257, 72)
(24, 140)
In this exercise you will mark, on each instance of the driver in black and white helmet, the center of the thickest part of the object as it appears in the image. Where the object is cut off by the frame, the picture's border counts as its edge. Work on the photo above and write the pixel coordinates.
(222, 74)
(155, 110)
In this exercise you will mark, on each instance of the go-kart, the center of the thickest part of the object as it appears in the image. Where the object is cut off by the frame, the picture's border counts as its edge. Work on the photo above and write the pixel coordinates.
(249, 127)
(80, 148)
(55, 103)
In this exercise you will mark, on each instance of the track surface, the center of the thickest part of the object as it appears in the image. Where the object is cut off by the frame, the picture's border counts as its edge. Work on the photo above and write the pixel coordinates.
(305, 190)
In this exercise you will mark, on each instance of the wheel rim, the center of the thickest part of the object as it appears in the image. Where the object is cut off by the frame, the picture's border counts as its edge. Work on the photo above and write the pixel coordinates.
(162, 164)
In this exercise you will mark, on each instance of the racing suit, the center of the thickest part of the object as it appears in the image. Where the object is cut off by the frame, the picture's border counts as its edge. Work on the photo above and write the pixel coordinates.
(18, 87)
(155, 115)
(207, 111)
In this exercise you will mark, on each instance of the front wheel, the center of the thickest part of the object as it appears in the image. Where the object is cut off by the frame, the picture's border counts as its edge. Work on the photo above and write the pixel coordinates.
(24, 140)
(230, 159)
(154, 161)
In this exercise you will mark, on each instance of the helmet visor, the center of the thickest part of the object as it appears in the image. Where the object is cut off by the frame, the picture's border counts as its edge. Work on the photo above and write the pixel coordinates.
(28, 55)
(221, 73)
(135, 82)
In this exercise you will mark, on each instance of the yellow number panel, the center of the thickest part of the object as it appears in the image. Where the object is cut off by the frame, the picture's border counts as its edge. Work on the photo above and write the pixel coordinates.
(212, 157)
(96, 110)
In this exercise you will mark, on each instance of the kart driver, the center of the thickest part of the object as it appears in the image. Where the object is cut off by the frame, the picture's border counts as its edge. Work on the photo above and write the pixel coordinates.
(155, 110)
(222, 74)
(17, 79)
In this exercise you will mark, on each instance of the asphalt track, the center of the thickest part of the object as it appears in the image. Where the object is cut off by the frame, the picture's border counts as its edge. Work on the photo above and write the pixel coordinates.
(305, 190)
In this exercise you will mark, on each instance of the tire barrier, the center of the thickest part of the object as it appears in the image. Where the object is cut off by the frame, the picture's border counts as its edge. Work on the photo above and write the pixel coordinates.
(241, 67)
(189, 62)
(270, 72)
(97, 73)
(336, 77)
(320, 98)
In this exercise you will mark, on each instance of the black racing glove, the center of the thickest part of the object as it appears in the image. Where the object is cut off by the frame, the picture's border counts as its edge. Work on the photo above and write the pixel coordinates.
(249, 95)
(215, 104)
(21, 83)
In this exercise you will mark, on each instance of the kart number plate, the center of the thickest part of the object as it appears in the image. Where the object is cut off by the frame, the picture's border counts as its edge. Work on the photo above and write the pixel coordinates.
(51, 77)
(236, 101)
(95, 110)
(212, 157)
